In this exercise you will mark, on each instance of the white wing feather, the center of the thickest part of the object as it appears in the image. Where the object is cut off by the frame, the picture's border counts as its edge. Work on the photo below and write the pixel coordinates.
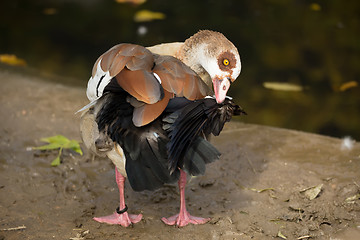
(96, 84)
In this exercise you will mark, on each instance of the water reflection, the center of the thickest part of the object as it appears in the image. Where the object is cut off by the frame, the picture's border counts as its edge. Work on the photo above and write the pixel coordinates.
(311, 44)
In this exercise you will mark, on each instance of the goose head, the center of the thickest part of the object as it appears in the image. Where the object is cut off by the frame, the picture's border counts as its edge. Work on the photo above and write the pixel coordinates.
(214, 58)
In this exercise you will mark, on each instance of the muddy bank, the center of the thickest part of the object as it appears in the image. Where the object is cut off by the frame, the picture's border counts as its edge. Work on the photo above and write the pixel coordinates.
(256, 191)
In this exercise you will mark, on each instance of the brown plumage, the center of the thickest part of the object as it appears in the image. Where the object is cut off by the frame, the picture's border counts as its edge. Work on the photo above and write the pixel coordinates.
(133, 67)
(179, 79)
(140, 84)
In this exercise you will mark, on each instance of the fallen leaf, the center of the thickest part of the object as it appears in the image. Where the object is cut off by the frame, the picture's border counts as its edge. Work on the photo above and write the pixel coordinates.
(59, 142)
(56, 162)
(50, 11)
(280, 235)
(55, 142)
(74, 145)
(147, 16)
(347, 85)
(56, 139)
(280, 86)
(261, 190)
(315, 7)
(50, 146)
(11, 59)
(137, 2)
(313, 192)
(81, 235)
(352, 198)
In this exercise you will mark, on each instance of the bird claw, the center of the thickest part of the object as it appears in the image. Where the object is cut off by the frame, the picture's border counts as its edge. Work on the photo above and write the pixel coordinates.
(183, 219)
(123, 219)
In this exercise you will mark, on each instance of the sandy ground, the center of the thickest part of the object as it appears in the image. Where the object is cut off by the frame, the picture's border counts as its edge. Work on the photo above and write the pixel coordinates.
(258, 190)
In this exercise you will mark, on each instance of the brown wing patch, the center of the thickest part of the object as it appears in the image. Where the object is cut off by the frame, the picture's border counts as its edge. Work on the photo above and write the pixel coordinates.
(149, 112)
(140, 84)
(134, 57)
(179, 79)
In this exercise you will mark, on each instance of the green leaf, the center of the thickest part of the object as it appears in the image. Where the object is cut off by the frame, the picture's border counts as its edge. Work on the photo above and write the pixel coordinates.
(75, 146)
(49, 146)
(59, 142)
(56, 161)
(60, 139)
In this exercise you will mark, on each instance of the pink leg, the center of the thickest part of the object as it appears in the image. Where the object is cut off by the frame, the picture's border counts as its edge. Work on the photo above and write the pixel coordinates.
(183, 218)
(124, 219)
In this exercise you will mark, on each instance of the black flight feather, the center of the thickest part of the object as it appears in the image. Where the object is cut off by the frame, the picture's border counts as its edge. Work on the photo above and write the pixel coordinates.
(197, 118)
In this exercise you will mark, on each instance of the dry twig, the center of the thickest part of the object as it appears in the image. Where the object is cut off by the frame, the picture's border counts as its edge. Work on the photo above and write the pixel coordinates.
(14, 228)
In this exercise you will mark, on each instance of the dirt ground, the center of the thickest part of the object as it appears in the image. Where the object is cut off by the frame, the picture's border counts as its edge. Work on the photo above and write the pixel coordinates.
(258, 190)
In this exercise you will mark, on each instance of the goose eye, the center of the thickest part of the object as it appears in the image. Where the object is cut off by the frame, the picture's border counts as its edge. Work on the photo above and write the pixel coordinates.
(226, 62)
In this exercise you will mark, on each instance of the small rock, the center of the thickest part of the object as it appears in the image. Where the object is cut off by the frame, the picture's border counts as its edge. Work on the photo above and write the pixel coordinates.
(206, 183)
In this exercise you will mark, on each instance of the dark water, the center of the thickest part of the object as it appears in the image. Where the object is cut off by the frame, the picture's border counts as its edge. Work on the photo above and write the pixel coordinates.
(315, 44)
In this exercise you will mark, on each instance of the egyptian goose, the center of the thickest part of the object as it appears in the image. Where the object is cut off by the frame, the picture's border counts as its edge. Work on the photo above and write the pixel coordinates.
(151, 112)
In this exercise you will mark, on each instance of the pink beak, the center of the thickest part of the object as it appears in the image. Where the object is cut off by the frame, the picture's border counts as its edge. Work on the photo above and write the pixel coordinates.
(221, 86)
